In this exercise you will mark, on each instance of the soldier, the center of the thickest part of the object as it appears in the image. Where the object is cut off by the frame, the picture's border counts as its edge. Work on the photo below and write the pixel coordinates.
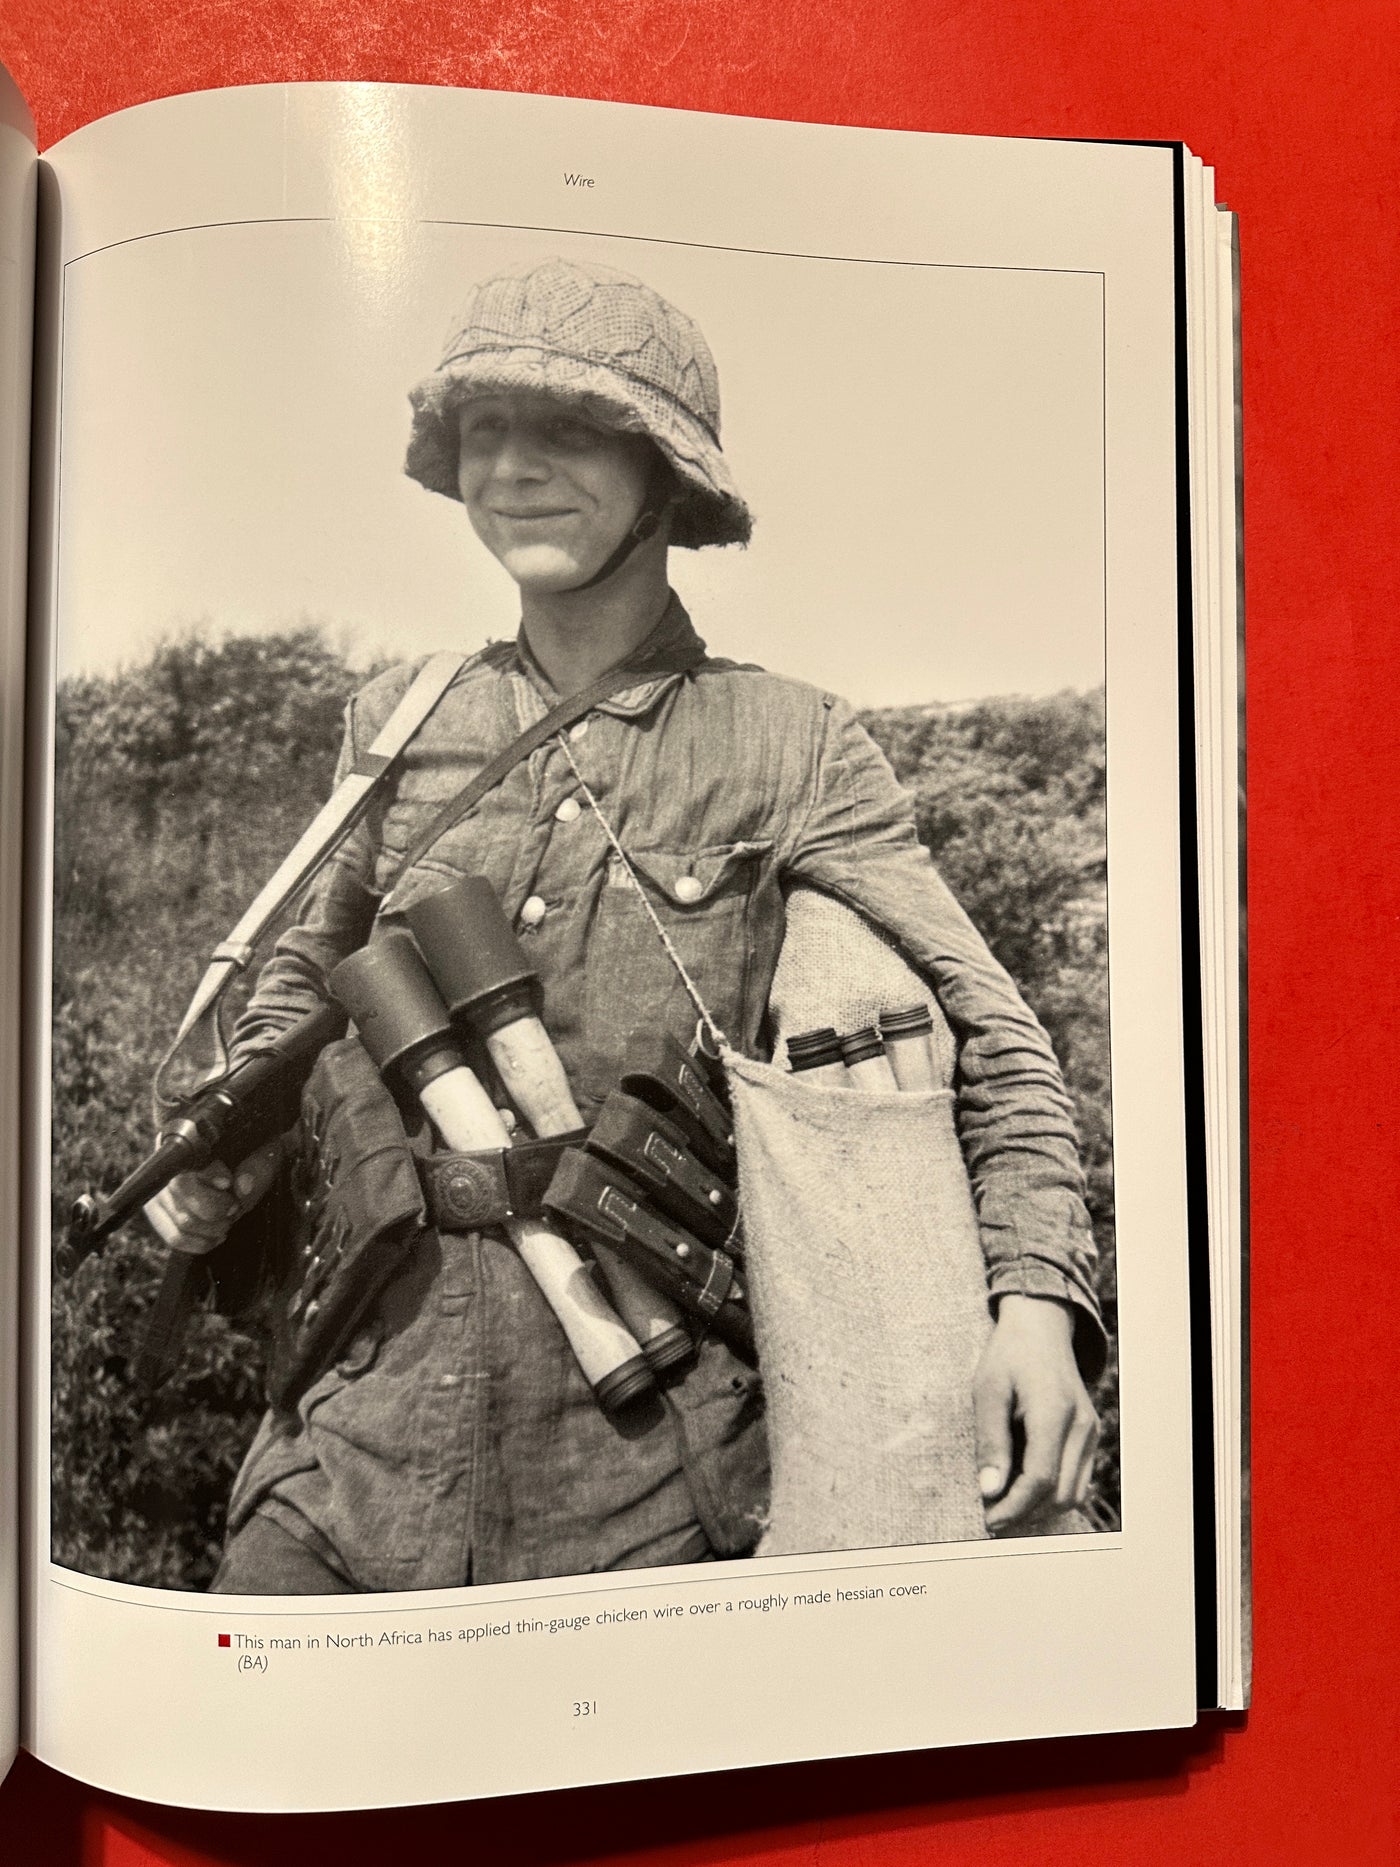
(575, 416)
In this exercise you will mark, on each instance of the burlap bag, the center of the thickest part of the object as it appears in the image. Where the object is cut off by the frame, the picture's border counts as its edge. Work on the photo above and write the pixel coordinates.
(864, 1262)
(865, 1270)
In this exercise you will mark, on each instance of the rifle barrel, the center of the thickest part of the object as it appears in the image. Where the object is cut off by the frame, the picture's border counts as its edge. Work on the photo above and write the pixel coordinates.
(95, 1216)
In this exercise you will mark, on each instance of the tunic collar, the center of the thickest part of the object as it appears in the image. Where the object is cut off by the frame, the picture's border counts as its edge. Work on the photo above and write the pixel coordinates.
(673, 638)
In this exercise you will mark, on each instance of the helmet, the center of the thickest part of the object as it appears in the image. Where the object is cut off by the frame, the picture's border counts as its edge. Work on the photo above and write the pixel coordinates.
(609, 345)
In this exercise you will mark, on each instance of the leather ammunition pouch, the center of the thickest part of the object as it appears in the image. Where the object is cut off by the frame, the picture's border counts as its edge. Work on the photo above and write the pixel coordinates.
(357, 1209)
(652, 1152)
(686, 1090)
(598, 1203)
(655, 1179)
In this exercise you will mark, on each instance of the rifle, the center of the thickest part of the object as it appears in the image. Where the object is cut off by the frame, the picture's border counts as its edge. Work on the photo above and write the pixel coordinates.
(256, 1100)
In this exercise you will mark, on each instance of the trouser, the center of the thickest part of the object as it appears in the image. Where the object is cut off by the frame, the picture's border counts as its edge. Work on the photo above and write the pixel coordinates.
(265, 1558)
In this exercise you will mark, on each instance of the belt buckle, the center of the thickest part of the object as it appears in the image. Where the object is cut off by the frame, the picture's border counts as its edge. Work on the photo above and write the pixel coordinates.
(467, 1196)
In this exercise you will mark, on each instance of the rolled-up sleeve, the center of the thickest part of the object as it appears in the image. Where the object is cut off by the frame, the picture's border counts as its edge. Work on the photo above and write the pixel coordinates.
(1015, 1119)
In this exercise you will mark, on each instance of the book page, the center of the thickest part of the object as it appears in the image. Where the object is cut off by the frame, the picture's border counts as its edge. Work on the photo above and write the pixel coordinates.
(434, 1567)
(1219, 697)
(17, 172)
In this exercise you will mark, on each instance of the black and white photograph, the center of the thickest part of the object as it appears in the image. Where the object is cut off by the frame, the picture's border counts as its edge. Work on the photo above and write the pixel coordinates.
(580, 999)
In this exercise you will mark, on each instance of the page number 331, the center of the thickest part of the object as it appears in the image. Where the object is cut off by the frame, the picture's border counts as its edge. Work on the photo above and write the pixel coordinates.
(585, 1708)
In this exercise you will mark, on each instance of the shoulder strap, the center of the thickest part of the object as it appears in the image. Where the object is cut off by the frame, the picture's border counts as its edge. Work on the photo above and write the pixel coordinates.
(320, 839)
(555, 721)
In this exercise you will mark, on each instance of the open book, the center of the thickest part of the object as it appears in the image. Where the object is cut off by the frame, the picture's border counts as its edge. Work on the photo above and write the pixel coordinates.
(625, 1060)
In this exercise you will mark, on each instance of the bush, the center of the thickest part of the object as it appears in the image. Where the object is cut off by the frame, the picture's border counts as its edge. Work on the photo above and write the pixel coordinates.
(180, 781)
(1009, 796)
(176, 783)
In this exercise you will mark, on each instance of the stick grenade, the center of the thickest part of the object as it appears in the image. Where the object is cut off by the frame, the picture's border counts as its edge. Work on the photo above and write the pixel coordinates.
(817, 1056)
(867, 1066)
(405, 1027)
(488, 983)
(908, 1036)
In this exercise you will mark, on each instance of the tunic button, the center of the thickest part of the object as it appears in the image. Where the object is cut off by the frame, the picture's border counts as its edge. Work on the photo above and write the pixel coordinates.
(533, 911)
(568, 811)
(689, 888)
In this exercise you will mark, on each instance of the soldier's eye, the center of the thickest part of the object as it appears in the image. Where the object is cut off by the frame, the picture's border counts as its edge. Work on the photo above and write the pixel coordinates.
(567, 431)
(482, 430)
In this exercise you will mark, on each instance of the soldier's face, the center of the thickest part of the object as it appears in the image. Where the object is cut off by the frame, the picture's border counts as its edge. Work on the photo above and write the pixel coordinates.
(548, 493)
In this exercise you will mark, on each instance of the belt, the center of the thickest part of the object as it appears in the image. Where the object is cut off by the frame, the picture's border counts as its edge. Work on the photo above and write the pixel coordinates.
(466, 1192)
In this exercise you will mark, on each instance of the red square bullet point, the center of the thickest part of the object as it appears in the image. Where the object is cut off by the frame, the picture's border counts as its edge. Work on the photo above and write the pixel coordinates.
(223, 1640)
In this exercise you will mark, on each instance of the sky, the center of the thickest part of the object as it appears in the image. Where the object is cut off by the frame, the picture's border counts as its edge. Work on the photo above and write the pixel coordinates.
(922, 447)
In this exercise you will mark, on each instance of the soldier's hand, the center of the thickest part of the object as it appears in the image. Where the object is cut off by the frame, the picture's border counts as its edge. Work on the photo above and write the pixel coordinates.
(196, 1211)
(1028, 1376)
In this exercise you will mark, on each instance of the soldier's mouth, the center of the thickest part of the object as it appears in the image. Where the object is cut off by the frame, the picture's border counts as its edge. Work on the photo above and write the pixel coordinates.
(535, 512)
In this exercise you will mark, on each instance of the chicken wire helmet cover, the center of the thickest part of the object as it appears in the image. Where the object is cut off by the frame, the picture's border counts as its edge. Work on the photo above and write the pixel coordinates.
(613, 349)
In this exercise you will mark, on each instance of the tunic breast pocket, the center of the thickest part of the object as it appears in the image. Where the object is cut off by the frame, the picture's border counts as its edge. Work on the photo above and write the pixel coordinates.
(703, 900)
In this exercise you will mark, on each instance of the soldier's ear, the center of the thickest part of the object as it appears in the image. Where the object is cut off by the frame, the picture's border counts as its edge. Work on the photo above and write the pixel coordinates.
(663, 491)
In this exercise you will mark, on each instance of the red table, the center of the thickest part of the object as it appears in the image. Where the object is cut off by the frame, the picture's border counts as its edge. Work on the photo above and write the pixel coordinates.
(1295, 104)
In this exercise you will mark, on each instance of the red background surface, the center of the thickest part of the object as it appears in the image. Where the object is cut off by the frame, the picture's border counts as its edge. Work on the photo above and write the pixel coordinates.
(1295, 104)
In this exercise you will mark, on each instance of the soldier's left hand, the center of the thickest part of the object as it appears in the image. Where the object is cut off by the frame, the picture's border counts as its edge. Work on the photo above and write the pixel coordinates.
(196, 1211)
(1028, 1375)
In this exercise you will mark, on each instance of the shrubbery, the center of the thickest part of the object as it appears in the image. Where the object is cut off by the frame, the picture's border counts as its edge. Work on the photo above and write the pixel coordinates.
(182, 781)
(1010, 797)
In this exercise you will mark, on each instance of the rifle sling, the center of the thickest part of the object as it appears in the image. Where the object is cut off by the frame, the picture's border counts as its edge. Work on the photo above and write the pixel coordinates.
(183, 1282)
(320, 839)
(566, 714)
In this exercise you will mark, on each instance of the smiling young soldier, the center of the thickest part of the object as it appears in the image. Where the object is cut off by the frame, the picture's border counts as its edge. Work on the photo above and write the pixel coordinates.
(575, 415)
